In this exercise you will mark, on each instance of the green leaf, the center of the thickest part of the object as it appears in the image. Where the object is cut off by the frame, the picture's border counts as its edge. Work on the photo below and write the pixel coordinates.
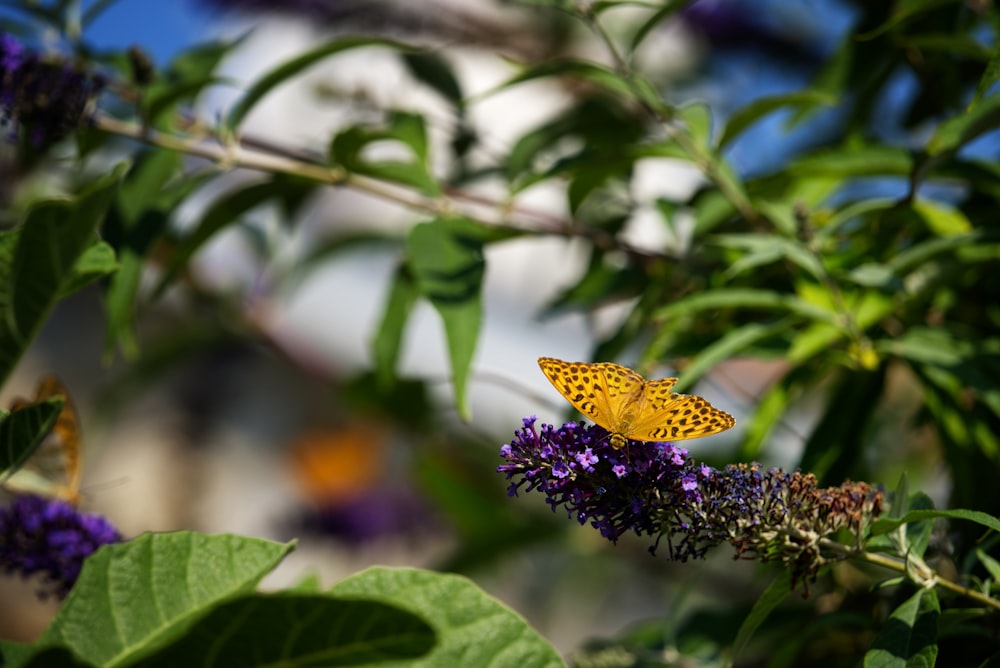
(962, 129)
(287, 70)
(145, 184)
(918, 255)
(764, 249)
(389, 337)
(990, 75)
(96, 262)
(225, 211)
(147, 198)
(22, 430)
(436, 72)
(568, 68)
(446, 257)
(866, 309)
(772, 597)
(749, 298)
(348, 146)
(854, 162)
(902, 12)
(909, 638)
(187, 75)
(697, 119)
(769, 409)
(887, 524)
(473, 628)
(731, 343)
(136, 597)
(668, 9)
(38, 262)
(803, 100)
(991, 565)
(875, 275)
(300, 630)
(837, 440)
(943, 220)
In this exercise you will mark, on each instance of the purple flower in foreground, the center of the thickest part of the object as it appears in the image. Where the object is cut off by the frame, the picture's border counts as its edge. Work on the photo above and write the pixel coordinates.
(655, 489)
(50, 537)
(46, 97)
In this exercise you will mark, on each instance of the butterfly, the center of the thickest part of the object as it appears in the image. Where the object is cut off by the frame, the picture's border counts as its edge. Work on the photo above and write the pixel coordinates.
(54, 468)
(630, 407)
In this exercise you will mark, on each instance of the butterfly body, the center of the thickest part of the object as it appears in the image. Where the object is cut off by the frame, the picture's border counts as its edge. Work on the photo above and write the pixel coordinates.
(630, 407)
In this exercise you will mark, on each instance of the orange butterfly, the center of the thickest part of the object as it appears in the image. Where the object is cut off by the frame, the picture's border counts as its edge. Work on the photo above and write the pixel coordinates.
(54, 468)
(631, 407)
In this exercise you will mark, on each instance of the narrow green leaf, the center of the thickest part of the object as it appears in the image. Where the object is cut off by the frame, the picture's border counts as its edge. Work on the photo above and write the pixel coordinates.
(917, 256)
(389, 337)
(854, 162)
(697, 119)
(772, 597)
(22, 430)
(348, 147)
(866, 310)
(836, 441)
(291, 68)
(436, 72)
(902, 12)
(300, 630)
(662, 13)
(225, 211)
(136, 597)
(473, 628)
(909, 638)
(145, 184)
(803, 100)
(942, 219)
(96, 262)
(404, 173)
(731, 343)
(187, 75)
(963, 128)
(885, 525)
(769, 410)
(766, 248)
(990, 75)
(850, 213)
(875, 275)
(900, 496)
(748, 298)
(991, 565)
(38, 262)
(601, 76)
(446, 257)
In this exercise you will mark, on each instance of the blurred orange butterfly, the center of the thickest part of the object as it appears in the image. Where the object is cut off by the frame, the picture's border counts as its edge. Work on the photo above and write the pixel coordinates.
(53, 470)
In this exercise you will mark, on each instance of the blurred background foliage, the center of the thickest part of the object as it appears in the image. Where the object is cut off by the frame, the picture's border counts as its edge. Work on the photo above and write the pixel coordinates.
(831, 267)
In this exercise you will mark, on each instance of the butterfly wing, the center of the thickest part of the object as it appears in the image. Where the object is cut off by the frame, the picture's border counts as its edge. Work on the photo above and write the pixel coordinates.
(665, 416)
(54, 468)
(622, 389)
(593, 389)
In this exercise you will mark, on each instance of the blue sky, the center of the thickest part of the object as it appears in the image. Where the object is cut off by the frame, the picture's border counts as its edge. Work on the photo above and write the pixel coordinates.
(161, 27)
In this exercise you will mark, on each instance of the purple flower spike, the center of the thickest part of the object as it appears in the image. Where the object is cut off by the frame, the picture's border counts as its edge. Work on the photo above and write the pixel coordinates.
(44, 96)
(51, 537)
(655, 489)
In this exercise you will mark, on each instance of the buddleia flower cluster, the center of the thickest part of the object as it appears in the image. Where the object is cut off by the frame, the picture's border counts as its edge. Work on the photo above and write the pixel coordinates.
(46, 98)
(655, 489)
(50, 538)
